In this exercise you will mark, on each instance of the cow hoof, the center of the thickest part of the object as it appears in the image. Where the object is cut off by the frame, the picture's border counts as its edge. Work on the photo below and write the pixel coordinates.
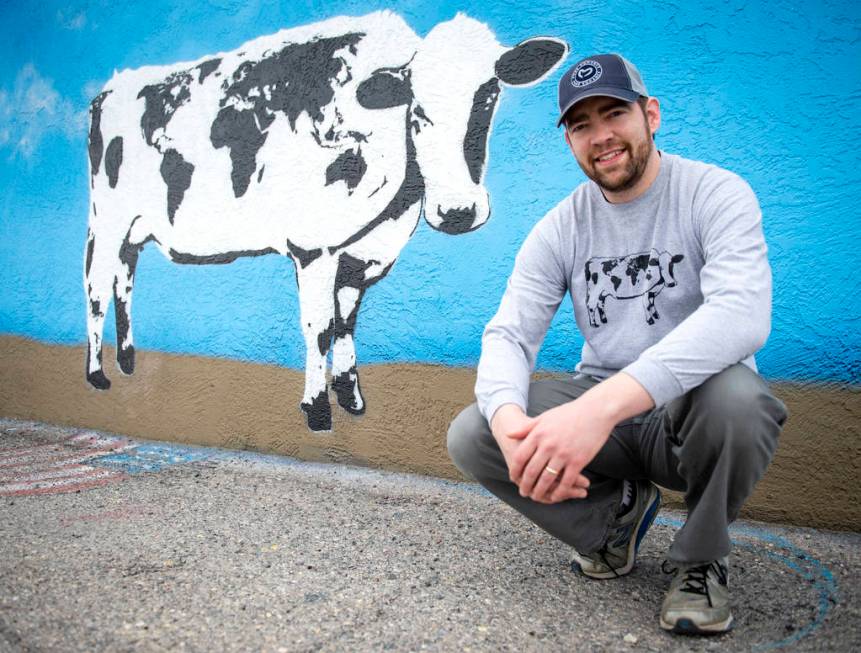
(346, 386)
(98, 380)
(126, 359)
(319, 413)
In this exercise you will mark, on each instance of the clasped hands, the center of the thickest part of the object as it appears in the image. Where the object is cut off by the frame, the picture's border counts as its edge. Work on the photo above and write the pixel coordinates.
(564, 439)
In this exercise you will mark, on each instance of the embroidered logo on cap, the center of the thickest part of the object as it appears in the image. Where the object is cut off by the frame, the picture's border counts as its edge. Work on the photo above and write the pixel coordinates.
(586, 73)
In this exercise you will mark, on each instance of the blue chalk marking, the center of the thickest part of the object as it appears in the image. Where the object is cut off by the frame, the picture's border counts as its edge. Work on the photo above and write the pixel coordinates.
(818, 574)
(148, 458)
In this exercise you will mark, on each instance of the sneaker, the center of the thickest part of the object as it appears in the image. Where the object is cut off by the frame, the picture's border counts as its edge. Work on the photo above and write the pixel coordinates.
(698, 600)
(616, 558)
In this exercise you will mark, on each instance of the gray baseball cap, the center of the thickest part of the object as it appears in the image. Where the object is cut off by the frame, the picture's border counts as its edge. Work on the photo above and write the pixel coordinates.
(600, 74)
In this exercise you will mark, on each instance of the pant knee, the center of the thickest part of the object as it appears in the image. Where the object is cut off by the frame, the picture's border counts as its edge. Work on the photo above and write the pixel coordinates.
(462, 439)
(735, 411)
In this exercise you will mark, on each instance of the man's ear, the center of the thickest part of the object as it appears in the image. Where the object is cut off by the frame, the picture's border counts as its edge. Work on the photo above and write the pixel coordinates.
(653, 114)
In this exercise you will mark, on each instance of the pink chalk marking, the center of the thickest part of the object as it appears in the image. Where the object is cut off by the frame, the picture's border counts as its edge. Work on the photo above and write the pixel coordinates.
(59, 490)
(82, 480)
(44, 473)
(73, 455)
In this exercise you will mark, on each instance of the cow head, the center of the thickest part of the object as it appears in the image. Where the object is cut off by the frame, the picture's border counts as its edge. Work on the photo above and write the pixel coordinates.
(664, 261)
(457, 76)
(451, 87)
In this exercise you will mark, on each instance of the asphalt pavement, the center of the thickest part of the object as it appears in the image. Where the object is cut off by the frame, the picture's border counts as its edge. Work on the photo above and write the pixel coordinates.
(114, 544)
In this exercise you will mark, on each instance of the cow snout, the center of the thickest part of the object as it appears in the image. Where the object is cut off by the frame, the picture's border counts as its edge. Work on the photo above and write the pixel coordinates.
(456, 221)
(671, 284)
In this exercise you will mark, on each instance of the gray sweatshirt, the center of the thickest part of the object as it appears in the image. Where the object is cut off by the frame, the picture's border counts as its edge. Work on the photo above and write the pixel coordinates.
(670, 288)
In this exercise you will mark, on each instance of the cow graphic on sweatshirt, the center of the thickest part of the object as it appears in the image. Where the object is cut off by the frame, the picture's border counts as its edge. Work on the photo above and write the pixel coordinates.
(626, 277)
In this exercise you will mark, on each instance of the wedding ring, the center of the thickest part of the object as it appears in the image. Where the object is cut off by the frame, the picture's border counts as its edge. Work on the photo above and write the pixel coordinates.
(550, 470)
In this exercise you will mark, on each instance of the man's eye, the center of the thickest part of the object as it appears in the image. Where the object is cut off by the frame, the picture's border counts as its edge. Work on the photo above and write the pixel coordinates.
(576, 128)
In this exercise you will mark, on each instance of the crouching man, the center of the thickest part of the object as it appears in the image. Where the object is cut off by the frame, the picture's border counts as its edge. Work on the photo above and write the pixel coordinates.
(665, 262)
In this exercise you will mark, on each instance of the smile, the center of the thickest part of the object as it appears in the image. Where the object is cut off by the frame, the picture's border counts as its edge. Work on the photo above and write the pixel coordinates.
(610, 157)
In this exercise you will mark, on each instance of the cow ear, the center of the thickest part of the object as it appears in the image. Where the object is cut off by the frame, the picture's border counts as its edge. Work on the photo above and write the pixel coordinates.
(385, 89)
(530, 61)
(678, 258)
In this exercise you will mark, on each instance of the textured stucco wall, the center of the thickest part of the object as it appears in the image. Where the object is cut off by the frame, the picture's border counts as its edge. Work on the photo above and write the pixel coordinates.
(767, 90)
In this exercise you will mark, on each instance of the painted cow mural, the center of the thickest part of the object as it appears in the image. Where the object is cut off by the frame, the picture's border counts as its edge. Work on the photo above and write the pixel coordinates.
(626, 277)
(325, 143)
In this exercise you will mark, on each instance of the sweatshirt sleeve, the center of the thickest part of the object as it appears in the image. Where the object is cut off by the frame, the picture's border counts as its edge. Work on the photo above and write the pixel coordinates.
(514, 335)
(734, 319)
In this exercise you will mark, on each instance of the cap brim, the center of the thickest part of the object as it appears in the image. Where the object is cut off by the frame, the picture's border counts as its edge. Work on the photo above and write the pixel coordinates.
(605, 91)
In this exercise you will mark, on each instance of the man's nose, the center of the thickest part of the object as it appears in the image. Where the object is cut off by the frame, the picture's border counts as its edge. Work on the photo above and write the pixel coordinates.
(601, 134)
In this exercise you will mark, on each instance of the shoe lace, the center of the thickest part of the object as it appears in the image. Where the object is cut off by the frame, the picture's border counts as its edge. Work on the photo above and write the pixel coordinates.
(695, 579)
(603, 553)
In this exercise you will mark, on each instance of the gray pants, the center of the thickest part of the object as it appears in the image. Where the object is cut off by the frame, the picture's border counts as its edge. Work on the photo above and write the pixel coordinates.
(713, 443)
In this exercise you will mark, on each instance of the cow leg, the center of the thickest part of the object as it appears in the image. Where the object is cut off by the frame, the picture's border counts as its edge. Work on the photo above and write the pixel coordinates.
(590, 307)
(101, 264)
(317, 311)
(123, 285)
(345, 375)
(649, 302)
(601, 299)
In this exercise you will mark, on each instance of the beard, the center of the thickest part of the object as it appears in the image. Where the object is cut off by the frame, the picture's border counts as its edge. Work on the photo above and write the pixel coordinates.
(635, 166)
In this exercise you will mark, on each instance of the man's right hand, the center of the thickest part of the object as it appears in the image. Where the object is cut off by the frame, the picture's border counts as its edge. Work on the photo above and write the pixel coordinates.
(509, 426)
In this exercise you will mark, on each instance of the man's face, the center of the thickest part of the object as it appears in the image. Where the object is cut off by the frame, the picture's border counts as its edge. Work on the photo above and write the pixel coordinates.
(612, 139)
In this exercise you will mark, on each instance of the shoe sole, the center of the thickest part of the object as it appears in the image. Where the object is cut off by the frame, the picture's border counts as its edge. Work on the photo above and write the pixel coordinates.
(642, 527)
(688, 627)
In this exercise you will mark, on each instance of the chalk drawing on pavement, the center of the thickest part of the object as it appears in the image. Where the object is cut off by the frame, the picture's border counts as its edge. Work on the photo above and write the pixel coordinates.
(81, 462)
(148, 458)
(782, 552)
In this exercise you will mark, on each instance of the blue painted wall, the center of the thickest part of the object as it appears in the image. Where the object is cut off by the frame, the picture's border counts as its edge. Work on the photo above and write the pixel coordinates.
(768, 90)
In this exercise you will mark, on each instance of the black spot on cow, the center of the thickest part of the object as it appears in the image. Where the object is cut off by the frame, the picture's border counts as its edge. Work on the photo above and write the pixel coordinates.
(345, 385)
(324, 338)
(636, 265)
(385, 88)
(96, 379)
(96, 308)
(319, 413)
(113, 160)
(162, 100)
(617, 281)
(529, 60)
(304, 256)
(594, 277)
(238, 131)
(349, 167)
(96, 144)
(607, 266)
(475, 141)
(207, 68)
(125, 354)
(351, 272)
(411, 191)
(218, 259)
(91, 243)
(176, 172)
(298, 78)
